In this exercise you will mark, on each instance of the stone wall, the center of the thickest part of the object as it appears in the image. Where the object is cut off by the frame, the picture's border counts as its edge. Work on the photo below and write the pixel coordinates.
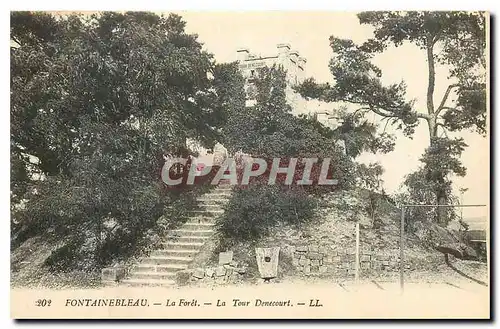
(328, 260)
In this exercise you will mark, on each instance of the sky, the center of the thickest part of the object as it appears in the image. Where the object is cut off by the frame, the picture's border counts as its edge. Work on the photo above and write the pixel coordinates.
(308, 32)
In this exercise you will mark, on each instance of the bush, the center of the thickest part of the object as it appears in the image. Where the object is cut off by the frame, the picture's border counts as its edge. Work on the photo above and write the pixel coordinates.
(253, 211)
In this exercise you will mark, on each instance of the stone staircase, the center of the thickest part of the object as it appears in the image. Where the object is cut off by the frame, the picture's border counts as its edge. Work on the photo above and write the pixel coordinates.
(181, 245)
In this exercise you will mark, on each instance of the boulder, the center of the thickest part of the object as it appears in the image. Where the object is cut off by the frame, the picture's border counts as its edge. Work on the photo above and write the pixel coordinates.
(113, 274)
(199, 273)
(220, 271)
(182, 277)
(445, 240)
(209, 272)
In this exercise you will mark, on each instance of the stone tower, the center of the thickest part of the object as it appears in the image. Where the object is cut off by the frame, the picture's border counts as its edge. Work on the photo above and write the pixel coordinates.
(286, 57)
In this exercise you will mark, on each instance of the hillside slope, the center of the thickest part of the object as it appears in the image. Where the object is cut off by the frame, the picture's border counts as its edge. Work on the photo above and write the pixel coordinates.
(325, 247)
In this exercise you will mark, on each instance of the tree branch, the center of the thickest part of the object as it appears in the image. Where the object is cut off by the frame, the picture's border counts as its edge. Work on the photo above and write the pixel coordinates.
(445, 98)
(423, 116)
(382, 114)
(439, 124)
(446, 108)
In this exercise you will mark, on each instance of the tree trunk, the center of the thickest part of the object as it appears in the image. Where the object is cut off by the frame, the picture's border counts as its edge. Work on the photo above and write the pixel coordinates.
(440, 192)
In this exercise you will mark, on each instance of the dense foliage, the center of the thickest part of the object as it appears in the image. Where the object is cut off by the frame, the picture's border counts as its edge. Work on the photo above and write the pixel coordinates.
(255, 211)
(96, 102)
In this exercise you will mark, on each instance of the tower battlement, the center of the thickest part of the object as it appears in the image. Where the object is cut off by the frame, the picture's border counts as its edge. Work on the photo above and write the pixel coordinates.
(287, 58)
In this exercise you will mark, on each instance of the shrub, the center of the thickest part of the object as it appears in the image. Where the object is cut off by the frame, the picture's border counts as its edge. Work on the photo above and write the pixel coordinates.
(253, 211)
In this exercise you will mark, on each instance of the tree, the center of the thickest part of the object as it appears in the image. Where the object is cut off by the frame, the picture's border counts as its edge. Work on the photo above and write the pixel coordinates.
(455, 39)
(98, 100)
(369, 178)
(359, 135)
(269, 130)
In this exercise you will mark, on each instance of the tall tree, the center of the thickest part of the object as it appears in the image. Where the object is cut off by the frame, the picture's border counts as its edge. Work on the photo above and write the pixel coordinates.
(97, 100)
(455, 39)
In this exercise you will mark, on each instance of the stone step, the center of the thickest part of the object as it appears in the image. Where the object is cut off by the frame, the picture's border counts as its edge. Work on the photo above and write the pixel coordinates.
(148, 282)
(207, 213)
(157, 258)
(197, 226)
(183, 245)
(223, 194)
(160, 267)
(227, 187)
(165, 253)
(207, 201)
(183, 232)
(187, 238)
(153, 275)
(210, 207)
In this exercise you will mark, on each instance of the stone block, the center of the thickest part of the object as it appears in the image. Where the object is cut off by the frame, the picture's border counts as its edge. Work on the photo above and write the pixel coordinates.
(365, 258)
(314, 262)
(241, 270)
(344, 258)
(323, 269)
(328, 260)
(295, 261)
(301, 249)
(199, 273)
(365, 265)
(220, 271)
(183, 277)
(336, 259)
(209, 272)
(314, 255)
(303, 261)
(314, 268)
(323, 249)
(313, 248)
(225, 257)
(113, 274)
(307, 269)
(234, 263)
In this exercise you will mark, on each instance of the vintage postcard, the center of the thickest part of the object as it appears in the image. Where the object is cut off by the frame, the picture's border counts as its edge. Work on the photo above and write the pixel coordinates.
(257, 165)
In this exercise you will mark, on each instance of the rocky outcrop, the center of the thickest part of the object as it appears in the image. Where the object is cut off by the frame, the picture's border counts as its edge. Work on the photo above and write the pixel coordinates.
(447, 241)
